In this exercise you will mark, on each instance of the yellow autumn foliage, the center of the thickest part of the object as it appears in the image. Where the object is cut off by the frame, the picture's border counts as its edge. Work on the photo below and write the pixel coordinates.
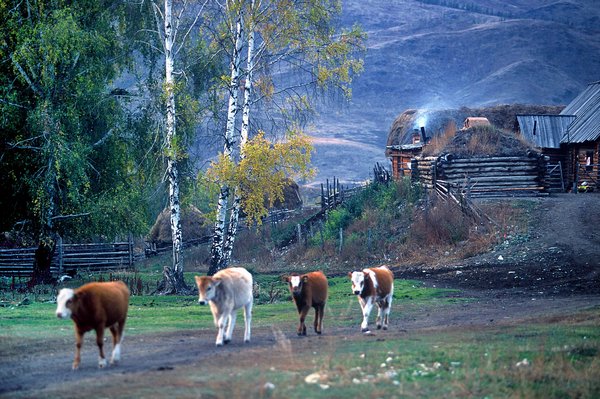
(263, 170)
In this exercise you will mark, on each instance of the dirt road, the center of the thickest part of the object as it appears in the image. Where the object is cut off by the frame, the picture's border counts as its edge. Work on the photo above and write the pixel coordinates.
(552, 274)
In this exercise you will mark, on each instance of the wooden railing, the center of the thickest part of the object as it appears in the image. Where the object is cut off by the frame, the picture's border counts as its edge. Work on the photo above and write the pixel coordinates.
(69, 258)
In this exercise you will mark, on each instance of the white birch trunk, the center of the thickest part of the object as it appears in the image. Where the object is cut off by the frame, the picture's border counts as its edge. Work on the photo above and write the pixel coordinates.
(216, 251)
(174, 275)
(235, 207)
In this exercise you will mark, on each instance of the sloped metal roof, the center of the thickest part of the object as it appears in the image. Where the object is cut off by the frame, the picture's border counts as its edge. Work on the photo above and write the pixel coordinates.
(586, 107)
(544, 131)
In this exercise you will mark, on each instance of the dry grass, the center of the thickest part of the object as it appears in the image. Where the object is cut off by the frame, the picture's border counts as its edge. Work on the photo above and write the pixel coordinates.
(438, 143)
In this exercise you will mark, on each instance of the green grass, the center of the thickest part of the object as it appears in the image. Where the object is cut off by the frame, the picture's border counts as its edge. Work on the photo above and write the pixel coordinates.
(34, 318)
(562, 355)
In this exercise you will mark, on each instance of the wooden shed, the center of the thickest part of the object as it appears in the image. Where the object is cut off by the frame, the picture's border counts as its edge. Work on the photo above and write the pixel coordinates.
(545, 132)
(583, 139)
(405, 138)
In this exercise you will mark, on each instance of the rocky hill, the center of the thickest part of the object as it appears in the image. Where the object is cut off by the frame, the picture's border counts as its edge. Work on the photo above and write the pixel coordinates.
(441, 54)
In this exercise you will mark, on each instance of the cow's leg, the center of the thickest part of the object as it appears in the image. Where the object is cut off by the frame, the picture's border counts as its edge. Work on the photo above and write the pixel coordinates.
(380, 306)
(302, 326)
(221, 324)
(117, 334)
(78, 343)
(386, 312)
(319, 318)
(247, 321)
(366, 305)
(230, 326)
(100, 343)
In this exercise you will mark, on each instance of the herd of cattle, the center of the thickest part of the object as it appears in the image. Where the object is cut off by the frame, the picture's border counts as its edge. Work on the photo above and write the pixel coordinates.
(97, 306)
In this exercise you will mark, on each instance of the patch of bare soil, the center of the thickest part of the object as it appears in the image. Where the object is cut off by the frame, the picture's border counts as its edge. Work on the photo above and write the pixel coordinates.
(561, 255)
(551, 276)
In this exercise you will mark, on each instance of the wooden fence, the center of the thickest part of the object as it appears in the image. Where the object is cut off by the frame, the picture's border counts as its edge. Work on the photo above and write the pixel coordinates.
(273, 218)
(485, 177)
(69, 258)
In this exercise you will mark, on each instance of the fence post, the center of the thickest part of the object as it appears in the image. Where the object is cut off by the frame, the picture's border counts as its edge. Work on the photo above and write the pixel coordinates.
(334, 193)
(299, 229)
(322, 197)
(341, 240)
(60, 256)
(130, 249)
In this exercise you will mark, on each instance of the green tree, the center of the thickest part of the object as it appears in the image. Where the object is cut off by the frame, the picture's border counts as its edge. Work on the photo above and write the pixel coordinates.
(64, 131)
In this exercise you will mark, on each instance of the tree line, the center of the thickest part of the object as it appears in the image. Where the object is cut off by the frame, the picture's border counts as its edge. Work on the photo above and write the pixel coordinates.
(101, 102)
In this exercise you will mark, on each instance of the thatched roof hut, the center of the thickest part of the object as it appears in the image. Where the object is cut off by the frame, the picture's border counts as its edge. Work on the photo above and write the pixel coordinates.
(436, 122)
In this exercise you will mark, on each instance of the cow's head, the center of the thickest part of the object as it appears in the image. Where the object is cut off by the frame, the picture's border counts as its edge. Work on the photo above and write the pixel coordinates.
(358, 281)
(295, 283)
(65, 302)
(207, 288)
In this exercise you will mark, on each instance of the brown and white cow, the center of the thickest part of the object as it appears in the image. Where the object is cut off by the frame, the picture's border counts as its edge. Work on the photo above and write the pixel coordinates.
(309, 290)
(374, 285)
(96, 306)
(226, 292)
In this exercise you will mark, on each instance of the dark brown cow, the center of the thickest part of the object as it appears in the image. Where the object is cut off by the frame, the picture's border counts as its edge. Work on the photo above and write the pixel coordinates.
(95, 306)
(374, 285)
(309, 290)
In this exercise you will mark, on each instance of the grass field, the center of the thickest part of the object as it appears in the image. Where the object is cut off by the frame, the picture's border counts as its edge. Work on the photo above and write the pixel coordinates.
(545, 357)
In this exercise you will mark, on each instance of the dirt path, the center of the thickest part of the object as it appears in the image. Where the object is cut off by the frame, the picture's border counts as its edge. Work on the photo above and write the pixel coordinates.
(561, 256)
(553, 274)
(45, 365)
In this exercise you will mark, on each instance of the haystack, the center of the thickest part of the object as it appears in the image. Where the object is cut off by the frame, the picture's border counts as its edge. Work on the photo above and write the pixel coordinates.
(194, 225)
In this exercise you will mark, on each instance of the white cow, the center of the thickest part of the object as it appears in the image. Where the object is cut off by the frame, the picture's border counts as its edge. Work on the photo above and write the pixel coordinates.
(226, 292)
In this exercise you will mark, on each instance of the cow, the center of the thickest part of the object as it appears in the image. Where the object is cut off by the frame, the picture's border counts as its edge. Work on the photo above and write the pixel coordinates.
(309, 290)
(227, 291)
(374, 285)
(96, 306)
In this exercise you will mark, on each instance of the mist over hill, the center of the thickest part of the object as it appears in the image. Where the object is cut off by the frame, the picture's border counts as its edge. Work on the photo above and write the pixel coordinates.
(440, 54)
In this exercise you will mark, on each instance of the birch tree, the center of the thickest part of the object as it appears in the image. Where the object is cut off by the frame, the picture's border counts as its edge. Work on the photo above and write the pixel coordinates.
(173, 277)
(298, 34)
(216, 250)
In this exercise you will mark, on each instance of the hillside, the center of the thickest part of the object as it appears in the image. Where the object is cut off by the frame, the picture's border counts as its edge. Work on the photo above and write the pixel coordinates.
(441, 54)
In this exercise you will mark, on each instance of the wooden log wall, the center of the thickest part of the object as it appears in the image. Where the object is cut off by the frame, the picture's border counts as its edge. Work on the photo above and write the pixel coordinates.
(486, 177)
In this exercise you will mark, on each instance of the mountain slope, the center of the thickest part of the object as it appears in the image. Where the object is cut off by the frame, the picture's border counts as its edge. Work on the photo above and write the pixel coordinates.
(447, 54)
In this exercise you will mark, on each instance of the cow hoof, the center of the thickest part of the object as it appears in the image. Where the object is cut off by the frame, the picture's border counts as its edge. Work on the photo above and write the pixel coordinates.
(385, 327)
(75, 367)
(366, 330)
(219, 344)
(318, 332)
(246, 341)
(227, 341)
(102, 363)
(379, 327)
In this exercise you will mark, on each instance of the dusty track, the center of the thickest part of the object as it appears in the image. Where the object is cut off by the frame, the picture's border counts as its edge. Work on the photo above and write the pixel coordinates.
(552, 275)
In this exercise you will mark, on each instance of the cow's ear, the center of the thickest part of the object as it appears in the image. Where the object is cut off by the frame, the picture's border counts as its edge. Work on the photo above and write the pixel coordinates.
(198, 279)
(305, 279)
(350, 274)
(285, 279)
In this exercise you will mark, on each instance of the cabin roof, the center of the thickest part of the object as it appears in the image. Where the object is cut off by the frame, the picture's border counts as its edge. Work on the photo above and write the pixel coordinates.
(586, 107)
(544, 131)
